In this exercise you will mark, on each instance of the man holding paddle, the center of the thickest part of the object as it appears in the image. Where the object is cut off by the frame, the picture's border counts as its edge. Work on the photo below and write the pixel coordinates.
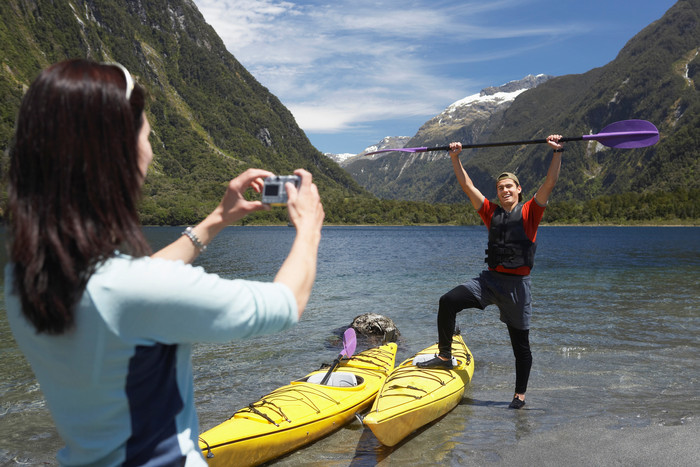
(510, 256)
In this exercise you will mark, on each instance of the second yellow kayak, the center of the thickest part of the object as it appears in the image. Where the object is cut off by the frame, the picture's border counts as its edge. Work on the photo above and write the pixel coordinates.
(412, 397)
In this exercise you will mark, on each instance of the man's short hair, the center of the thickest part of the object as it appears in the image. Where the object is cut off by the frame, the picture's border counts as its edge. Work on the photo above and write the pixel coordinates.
(510, 175)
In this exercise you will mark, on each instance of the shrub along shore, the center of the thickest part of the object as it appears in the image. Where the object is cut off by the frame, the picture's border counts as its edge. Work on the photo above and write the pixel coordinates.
(676, 208)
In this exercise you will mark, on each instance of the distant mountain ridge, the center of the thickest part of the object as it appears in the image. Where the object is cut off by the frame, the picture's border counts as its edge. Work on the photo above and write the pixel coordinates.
(654, 77)
(470, 111)
(387, 142)
(460, 113)
(467, 117)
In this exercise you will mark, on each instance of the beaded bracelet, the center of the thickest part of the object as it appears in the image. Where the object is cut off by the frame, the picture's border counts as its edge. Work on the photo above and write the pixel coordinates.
(559, 150)
(189, 232)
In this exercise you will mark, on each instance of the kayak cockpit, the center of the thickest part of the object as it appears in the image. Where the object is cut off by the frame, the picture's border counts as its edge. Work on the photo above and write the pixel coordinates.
(337, 379)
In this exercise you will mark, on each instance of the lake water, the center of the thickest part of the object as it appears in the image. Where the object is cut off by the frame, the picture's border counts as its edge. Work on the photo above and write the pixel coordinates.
(614, 335)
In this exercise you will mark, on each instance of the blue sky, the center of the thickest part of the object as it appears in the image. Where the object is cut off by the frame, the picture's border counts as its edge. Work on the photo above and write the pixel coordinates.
(353, 72)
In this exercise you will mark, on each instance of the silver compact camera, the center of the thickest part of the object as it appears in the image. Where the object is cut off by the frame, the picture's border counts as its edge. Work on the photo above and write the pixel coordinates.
(274, 192)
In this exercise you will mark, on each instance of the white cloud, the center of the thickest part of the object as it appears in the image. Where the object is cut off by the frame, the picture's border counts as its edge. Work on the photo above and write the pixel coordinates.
(343, 64)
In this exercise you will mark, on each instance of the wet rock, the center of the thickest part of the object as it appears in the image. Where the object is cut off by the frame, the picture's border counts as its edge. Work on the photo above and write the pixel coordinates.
(373, 324)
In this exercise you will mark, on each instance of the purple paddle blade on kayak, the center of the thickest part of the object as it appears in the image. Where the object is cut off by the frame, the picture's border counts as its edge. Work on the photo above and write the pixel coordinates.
(349, 342)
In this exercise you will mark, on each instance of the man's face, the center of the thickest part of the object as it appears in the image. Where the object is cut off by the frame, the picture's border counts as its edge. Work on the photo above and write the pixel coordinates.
(508, 192)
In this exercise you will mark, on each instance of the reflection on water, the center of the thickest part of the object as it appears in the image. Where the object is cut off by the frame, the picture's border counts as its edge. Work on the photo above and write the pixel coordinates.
(616, 320)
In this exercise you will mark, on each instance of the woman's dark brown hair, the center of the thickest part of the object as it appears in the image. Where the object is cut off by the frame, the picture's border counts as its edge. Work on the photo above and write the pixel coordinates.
(74, 186)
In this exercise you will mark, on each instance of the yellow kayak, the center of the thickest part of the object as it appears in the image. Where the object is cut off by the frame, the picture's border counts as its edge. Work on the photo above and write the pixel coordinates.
(412, 397)
(299, 413)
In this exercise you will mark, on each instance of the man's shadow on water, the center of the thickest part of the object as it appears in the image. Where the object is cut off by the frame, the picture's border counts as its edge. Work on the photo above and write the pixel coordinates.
(478, 403)
(370, 451)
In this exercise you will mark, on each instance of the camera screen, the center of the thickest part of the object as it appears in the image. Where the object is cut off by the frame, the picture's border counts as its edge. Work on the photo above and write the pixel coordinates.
(271, 190)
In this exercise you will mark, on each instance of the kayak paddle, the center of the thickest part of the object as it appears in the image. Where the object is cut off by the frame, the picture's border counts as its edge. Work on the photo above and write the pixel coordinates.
(625, 134)
(349, 343)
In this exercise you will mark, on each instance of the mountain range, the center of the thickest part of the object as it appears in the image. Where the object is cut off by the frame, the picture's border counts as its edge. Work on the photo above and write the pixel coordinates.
(654, 77)
(212, 119)
(467, 116)
(457, 115)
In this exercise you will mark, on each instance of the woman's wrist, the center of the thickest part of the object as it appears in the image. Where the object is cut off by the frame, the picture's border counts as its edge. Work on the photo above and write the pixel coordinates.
(194, 238)
(209, 228)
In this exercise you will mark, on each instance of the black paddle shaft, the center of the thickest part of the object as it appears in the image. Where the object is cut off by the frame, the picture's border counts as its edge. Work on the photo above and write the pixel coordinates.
(626, 134)
(505, 143)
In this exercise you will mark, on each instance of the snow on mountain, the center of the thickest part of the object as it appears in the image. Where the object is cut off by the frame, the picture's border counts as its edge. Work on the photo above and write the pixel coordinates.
(468, 115)
(486, 101)
(339, 158)
(496, 98)
(459, 114)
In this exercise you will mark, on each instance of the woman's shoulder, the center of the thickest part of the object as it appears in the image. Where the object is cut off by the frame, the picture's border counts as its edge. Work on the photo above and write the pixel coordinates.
(143, 269)
(121, 261)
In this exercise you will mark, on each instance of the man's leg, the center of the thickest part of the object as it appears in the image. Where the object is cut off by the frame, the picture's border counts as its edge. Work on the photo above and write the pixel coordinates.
(520, 340)
(450, 304)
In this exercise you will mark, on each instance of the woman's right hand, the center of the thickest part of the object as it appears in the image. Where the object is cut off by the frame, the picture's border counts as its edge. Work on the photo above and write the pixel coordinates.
(304, 204)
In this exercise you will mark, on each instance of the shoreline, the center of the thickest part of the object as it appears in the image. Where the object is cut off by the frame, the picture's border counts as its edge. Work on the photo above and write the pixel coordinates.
(448, 225)
(593, 442)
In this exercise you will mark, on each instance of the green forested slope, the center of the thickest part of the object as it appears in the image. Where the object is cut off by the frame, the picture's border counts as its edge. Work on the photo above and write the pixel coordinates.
(655, 77)
(211, 119)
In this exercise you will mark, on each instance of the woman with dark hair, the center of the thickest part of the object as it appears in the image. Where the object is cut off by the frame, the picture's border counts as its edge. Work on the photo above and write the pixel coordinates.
(108, 329)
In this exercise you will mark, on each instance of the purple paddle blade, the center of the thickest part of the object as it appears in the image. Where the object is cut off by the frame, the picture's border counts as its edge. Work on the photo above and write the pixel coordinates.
(423, 149)
(627, 134)
(349, 342)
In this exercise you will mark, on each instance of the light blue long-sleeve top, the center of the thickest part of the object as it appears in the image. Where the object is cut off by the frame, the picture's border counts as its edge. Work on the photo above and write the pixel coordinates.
(119, 385)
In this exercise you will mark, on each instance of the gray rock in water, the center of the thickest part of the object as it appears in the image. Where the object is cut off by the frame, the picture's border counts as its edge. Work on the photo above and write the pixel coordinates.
(373, 324)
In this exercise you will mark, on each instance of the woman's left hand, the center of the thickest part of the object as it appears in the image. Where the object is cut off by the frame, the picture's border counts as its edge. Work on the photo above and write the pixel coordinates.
(234, 206)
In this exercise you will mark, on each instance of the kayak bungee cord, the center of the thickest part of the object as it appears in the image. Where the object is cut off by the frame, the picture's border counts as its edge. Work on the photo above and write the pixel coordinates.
(257, 412)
